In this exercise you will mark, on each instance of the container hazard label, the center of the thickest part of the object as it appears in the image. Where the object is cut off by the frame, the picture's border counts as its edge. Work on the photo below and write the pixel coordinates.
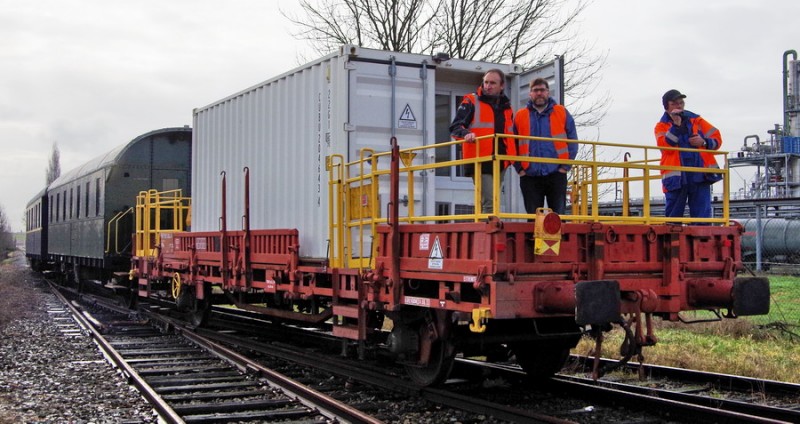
(436, 258)
(407, 119)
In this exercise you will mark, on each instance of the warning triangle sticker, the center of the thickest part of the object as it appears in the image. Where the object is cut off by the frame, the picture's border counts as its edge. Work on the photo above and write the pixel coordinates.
(436, 252)
(407, 114)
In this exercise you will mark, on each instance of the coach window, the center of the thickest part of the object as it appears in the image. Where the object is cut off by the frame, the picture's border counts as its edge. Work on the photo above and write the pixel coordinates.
(64, 207)
(78, 202)
(97, 197)
(86, 205)
(71, 192)
(58, 205)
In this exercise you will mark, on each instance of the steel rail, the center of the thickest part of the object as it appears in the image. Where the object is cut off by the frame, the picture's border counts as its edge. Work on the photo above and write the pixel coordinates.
(165, 412)
(395, 384)
(680, 404)
(726, 381)
(311, 398)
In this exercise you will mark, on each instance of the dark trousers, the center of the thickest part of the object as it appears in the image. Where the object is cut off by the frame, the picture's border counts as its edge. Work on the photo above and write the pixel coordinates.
(552, 187)
(698, 196)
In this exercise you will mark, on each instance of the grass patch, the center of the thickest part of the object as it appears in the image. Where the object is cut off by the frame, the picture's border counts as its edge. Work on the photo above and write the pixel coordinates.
(761, 346)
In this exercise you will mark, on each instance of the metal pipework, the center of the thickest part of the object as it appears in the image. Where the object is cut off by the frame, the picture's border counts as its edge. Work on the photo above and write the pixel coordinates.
(786, 54)
(755, 145)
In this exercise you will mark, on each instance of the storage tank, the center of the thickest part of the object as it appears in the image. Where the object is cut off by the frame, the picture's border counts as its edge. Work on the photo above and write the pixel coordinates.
(283, 129)
(779, 237)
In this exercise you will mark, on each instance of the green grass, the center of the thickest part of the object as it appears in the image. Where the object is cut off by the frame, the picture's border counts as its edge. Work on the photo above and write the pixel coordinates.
(785, 305)
(760, 346)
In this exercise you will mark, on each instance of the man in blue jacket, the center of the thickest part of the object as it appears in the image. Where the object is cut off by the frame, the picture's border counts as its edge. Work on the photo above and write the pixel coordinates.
(543, 117)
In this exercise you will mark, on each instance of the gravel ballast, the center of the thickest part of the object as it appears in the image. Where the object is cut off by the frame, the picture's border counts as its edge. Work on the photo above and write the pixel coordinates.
(50, 376)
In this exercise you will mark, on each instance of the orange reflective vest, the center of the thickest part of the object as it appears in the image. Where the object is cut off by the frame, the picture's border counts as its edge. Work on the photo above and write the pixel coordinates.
(666, 137)
(483, 125)
(558, 125)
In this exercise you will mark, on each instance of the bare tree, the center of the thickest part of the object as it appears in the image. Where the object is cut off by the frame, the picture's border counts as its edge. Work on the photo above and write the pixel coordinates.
(528, 33)
(396, 25)
(6, 237)
(54, 166)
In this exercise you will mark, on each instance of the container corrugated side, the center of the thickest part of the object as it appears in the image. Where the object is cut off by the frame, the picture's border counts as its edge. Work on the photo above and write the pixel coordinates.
(280, 131)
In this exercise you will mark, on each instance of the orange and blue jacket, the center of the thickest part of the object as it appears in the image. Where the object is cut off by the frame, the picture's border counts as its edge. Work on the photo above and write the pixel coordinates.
(670, 135)
(476, 115)
(553, 122)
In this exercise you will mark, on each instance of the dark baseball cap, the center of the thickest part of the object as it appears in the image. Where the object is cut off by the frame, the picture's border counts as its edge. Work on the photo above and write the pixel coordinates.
(670, 96)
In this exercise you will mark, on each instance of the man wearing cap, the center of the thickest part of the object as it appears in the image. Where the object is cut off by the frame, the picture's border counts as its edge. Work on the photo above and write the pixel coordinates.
(679, 127)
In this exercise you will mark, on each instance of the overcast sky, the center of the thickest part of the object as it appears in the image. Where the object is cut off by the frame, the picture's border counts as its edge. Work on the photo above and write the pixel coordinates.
(91, 75)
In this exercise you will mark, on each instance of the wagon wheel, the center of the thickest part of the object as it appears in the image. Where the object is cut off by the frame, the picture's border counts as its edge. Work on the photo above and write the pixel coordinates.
(539, 360)
(198, 316)
(439, 366)
(201, 308)
(176, 285)
(75, 278)
(125, 297)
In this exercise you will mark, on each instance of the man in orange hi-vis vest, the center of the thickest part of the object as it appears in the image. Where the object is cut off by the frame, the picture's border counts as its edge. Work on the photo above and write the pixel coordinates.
(543, 117)
(485, 112)
(679, 127)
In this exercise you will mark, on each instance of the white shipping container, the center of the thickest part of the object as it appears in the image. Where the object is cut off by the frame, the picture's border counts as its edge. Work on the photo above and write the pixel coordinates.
(284, 128)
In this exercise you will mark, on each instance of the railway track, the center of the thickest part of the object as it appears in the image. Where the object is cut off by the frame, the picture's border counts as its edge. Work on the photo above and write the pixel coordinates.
(744, 395)
(680, 394)
(683, 401)
(686, 395)
(187, 378)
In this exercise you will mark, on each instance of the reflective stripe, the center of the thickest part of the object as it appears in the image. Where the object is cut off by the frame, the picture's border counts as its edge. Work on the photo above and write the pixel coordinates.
(558, 122)
(672, 137)
(483, 124)
(710, 132)
(476, 116)
(670, 174)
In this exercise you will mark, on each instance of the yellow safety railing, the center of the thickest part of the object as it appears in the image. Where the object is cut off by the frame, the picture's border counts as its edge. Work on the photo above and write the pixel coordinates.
(334, 164)
(355, 199)
(112, 231)
(157, 213)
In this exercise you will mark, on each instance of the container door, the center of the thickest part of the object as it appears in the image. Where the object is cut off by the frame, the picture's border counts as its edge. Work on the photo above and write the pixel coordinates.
(454, 190)
(552, 71)
(388, 99)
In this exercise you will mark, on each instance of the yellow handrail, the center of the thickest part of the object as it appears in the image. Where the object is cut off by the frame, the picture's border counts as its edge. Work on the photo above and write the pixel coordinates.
(334, 164)
(158, 213)
(115, 222)
(597, 172)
